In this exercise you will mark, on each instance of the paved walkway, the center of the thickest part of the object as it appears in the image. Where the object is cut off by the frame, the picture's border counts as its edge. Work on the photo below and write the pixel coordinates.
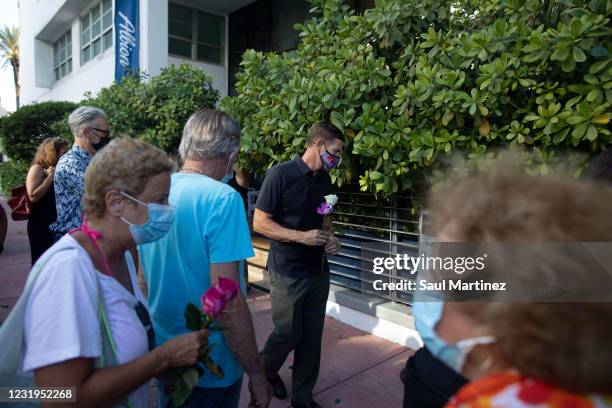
(14, 263)
(358, 370)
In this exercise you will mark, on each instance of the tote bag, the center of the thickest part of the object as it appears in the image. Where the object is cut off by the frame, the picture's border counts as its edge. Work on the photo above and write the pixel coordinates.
(12, 337)
(20, 204)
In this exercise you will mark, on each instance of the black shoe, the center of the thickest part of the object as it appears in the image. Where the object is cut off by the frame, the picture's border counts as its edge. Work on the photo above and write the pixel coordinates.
(310, 404)
(278, 387)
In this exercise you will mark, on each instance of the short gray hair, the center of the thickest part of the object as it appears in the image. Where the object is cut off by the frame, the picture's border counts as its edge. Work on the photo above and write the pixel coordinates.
(209, 134)
(83, 116)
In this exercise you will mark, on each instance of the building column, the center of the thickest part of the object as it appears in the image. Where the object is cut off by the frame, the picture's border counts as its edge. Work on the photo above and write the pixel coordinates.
(153, 36)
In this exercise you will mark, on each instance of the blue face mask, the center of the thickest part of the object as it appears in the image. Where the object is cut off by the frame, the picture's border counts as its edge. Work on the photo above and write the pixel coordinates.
(230, 174)
(160, 220)
(226, 179)
(426, 317)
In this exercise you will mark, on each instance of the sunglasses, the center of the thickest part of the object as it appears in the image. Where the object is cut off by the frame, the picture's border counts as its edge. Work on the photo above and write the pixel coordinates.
(106, 132)
(145, 319)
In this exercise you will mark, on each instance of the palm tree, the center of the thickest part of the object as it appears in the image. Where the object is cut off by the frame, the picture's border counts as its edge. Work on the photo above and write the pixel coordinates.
(9, 52)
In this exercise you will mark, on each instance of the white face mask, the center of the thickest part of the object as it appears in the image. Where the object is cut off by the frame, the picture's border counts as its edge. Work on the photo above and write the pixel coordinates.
(466, 346)
(230, 171)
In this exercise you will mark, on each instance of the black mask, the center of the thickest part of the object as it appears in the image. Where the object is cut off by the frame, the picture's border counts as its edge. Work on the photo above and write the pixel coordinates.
(103, 142)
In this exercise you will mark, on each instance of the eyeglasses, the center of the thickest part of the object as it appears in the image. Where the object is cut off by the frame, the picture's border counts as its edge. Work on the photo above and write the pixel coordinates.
(106, 132)
(145, 319)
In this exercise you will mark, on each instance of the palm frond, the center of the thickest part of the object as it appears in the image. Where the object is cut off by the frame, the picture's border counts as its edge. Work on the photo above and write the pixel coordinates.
(9, 43)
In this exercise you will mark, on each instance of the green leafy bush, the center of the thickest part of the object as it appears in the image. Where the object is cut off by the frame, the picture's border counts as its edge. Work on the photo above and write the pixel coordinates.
(12, 174)
(60, 128)
(22, 131)
(410, 82)
(156, 109)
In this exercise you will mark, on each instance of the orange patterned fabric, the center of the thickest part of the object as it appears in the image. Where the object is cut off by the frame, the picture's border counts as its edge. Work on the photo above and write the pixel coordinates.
(511, 390)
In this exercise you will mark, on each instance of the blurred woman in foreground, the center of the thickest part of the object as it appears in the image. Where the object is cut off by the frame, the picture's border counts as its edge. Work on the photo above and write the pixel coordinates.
(523, 353)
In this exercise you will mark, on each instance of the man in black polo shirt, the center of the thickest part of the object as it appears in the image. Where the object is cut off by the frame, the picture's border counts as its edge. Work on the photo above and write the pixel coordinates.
(286, 212)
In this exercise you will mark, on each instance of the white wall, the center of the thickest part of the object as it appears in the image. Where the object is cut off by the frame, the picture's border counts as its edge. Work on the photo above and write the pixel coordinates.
(33, 16)
(405, 336)
(37, 78)
(96, 74)
(153, 35)
(218, 72)
(37, 81)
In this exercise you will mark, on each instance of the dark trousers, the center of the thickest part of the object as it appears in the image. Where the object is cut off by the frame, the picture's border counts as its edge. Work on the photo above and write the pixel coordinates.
(428, 382)
(40, 238)
(298, 314)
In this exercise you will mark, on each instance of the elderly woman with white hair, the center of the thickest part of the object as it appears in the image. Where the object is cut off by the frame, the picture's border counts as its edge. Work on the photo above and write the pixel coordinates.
(89, 126)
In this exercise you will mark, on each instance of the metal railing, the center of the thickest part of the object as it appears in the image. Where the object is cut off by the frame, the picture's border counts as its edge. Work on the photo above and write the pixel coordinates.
(362, 219)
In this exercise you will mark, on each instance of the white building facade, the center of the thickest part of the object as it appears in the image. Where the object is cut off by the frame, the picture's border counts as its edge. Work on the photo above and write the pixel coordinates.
(68, 46)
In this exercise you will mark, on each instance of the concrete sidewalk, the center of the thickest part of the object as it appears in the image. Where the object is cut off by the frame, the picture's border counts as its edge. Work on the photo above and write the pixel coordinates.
(358, 370)
(14, 263)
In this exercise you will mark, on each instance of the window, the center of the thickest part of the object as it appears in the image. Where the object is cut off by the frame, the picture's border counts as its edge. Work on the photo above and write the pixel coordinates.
(96, 30)
(211, 36)
(62, 56)
(196, 35)
(360, 6)
(180, 30)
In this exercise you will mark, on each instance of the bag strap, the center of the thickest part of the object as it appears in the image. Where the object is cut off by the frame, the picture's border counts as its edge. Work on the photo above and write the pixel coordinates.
(108, 338)
(106, 331)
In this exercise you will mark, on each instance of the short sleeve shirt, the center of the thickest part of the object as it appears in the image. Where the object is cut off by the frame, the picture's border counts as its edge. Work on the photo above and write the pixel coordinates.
(210, 227)
(69, 184)
(62, 320)
(291, 193)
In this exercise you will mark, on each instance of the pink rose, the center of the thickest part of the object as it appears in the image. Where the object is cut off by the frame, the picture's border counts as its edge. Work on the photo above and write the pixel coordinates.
(227, 287)
(213, 302)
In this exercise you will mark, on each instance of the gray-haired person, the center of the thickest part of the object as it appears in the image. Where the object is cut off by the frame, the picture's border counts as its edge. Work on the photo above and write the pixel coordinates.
(209, 238)
(89, 126)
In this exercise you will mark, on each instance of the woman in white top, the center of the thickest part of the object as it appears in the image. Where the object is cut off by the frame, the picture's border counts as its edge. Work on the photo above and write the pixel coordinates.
(86, 325)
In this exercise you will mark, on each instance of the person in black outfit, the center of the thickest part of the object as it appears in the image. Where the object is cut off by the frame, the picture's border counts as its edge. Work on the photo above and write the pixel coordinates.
(242, 182)
(39, 185)
(300, 238)
(428, 381)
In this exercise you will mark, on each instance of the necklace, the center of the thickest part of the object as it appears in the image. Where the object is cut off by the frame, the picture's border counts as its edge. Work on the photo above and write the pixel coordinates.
(192, 169)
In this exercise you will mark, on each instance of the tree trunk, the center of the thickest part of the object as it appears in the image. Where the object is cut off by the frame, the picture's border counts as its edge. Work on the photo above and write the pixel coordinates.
(15, 64)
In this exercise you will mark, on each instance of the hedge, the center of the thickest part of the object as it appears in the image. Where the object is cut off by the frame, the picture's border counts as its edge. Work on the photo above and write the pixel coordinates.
(22, 131)
(411, 82)
(156, 109)
(12, 174)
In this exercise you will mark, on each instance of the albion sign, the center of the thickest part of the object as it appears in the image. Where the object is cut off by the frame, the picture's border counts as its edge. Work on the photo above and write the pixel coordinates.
(126, 38)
